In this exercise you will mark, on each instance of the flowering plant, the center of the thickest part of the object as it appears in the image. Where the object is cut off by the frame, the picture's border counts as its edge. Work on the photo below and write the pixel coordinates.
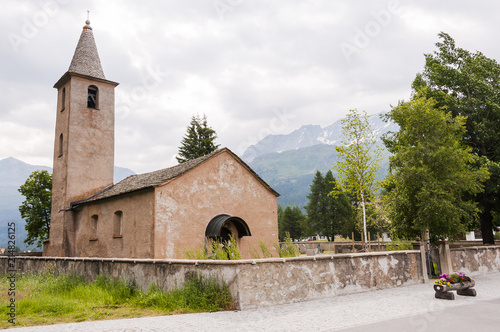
(454, 278)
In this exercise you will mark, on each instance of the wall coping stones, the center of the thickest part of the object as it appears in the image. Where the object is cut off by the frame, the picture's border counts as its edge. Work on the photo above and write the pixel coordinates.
(222, 262)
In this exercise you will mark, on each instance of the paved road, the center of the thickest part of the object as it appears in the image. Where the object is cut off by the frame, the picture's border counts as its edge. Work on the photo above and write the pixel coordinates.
(411, 308)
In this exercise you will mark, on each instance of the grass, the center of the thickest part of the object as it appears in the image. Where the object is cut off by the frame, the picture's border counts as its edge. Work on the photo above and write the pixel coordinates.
(49, 299)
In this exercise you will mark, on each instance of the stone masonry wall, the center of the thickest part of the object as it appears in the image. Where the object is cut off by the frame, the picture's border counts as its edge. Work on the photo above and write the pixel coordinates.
(476, 260)
(253, 283)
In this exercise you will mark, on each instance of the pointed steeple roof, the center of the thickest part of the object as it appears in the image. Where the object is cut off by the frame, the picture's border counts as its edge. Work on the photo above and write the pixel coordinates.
(86, 59)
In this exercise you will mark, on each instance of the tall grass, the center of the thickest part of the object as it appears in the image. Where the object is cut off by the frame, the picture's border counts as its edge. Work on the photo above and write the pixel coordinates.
(287, 249)
(216, 249)
(48, 299)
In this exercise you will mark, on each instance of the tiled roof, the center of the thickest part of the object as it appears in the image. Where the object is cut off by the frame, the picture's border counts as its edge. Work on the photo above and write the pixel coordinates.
(156, 178)
(86, 58)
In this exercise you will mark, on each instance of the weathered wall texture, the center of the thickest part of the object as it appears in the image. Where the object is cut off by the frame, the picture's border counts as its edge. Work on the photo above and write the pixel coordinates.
(136, 239)
(253, 283)
(84, 158)
(221, 185)
(476, 260)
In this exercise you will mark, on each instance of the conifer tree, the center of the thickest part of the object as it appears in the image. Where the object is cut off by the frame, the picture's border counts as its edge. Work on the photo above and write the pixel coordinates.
(198, 141)
(327, 214)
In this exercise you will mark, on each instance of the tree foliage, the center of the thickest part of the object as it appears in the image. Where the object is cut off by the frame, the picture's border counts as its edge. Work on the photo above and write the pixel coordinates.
(431, 172)
(291, 221)
(360, 159)
(35, 209)
(198, 141)
(468, 84)
(327, 214)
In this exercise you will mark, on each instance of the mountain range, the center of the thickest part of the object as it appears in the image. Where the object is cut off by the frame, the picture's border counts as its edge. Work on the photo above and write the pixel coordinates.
(288, 162)
(13, 173)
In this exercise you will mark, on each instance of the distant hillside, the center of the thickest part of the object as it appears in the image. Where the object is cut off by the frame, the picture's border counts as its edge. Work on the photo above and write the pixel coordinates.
(13, 173)
(310, 135)
(288, 162)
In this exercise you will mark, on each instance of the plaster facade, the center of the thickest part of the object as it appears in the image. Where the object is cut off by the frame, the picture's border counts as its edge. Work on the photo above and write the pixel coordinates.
(222, 184)
(159, 214)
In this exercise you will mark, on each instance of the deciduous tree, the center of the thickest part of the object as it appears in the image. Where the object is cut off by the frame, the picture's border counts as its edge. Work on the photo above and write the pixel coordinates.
(35, 209)
(468, 84)
(359, 159)
(431, 172)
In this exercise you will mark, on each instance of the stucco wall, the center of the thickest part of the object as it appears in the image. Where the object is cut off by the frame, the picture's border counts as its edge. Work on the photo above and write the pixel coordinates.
(136, 240)
(87, 160)
(185, 206)
(253, 283)
(476, 260)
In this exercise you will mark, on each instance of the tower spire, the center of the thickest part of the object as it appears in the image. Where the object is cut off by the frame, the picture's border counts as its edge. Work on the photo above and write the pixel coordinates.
(86, 58)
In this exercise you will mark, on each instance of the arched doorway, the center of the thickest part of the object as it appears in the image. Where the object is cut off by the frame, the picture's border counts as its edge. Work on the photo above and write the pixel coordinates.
(222, 226)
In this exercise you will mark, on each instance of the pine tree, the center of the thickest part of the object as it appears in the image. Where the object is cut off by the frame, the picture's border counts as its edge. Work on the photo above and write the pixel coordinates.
(292, 222)
(327, 214)
(198, 141)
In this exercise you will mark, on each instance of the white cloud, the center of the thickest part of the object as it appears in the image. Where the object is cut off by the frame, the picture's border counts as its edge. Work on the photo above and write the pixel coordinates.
(174, 59)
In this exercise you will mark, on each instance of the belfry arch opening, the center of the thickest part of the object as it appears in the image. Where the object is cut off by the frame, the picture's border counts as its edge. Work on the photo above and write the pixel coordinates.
(92, 97)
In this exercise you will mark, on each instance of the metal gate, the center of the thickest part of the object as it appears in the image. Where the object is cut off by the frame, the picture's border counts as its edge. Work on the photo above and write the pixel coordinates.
(432, 260)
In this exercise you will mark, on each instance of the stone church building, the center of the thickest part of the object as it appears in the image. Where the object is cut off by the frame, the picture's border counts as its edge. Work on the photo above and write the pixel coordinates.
(160, 214)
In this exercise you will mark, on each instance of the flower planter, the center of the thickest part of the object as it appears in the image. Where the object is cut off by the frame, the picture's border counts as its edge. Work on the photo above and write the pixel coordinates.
(465, 289)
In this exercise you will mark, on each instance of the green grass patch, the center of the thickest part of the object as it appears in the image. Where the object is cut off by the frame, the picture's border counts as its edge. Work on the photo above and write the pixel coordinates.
(50, 299)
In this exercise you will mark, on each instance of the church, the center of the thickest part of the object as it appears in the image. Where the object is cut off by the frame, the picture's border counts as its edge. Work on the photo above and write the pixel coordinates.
(157, 215)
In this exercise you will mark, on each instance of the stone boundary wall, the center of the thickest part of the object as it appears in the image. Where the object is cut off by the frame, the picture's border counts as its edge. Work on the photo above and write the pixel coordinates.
(476, 260)
(253, 283)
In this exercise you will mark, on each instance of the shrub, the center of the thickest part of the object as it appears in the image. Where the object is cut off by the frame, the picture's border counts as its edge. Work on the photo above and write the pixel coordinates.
(287, 249)
(398, 244)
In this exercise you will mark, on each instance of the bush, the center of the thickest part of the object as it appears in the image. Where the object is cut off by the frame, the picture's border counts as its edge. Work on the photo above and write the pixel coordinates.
(287, 249)
(398, 244)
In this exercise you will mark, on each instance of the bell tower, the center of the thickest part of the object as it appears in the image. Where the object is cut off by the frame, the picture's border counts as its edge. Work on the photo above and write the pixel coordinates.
(84, 140)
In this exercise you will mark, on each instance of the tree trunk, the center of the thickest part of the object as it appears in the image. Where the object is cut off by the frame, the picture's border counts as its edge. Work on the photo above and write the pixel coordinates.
(487, 223)
(364, 219)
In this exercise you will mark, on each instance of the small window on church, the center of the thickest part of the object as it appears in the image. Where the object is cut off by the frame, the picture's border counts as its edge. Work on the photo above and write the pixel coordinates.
(118, 224)
(93, 227)
(63, 99)
(92, 98)
(61, 140)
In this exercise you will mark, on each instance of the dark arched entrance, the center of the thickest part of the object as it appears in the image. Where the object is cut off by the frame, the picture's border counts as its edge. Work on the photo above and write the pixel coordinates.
(223, 226)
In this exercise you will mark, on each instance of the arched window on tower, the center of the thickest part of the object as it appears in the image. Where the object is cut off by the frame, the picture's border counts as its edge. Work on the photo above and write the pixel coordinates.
(61, 141)
(92, 97)
(63, 99)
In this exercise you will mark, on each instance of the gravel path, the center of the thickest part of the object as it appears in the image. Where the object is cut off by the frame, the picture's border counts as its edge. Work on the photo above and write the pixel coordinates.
(410, 308)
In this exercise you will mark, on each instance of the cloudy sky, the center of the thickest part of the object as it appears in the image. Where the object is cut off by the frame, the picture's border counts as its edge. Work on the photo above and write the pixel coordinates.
(254, 67)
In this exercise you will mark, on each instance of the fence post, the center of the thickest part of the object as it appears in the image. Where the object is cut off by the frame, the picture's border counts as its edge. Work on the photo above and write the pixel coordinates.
(369, 242)
(423, 258)
(353, 249)
(444, 257)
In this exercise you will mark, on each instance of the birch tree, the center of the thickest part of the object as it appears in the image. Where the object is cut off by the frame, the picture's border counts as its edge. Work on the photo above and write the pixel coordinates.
(359, 160)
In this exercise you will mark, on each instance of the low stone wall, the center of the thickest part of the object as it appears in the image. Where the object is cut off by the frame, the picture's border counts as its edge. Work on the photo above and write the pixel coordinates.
(476, 260)
(253, 283)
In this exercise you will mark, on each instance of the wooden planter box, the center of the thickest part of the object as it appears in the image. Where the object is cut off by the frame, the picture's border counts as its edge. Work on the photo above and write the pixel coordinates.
(444, 291)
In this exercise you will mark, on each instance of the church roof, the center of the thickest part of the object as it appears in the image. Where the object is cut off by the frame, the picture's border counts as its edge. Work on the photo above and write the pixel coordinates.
(86, 59)
(156, 178)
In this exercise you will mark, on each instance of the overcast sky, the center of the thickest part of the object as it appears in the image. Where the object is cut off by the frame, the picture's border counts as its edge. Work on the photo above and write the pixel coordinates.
(254, 67)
